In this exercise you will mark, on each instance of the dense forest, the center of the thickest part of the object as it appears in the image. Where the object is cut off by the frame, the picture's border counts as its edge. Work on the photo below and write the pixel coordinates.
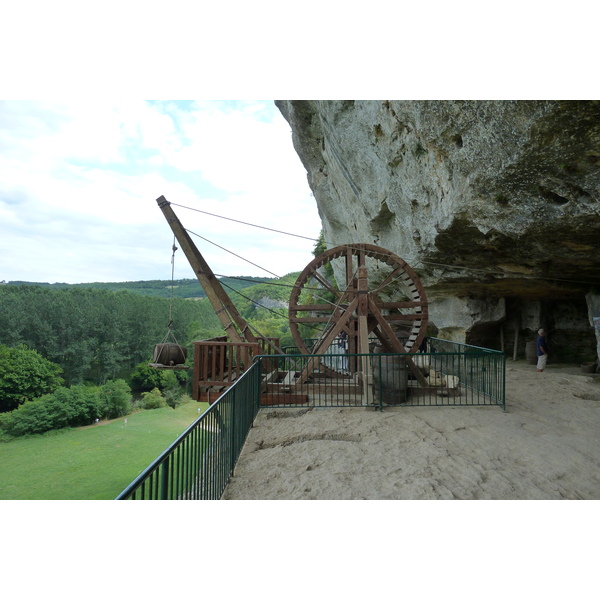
(96, 335)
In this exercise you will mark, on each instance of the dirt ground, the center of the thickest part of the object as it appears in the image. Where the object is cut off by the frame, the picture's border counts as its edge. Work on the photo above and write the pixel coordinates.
(545, 446)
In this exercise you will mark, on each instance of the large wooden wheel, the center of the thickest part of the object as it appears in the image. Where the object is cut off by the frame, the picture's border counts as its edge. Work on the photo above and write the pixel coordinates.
(360, 291)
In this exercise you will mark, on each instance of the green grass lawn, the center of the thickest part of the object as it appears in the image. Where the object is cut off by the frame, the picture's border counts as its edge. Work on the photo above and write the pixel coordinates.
(93, 463)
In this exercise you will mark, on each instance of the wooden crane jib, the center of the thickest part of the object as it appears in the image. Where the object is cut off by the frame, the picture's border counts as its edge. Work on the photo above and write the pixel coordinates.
(234, 324)
(236, 327)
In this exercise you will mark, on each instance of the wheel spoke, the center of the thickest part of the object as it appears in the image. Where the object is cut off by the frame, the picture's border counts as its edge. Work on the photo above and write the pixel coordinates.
(335, 330)
(391, 305)
(325, 283)
(389, 333)
(388, 279)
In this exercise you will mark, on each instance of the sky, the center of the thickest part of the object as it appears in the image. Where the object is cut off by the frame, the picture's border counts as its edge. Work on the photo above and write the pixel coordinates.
(79, 183)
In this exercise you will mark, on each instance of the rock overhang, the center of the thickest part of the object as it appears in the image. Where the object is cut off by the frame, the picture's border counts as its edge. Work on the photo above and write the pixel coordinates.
(485, 199)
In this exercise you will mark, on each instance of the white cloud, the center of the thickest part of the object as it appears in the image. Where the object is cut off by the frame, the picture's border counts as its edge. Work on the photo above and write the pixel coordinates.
(78, 184)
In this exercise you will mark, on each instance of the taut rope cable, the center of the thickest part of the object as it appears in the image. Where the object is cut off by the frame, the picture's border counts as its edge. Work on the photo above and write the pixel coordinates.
(250, 262)
(234, 254)
(172, 282)
(244, 223)
(278, 314)
(287, 285)
(170, 333)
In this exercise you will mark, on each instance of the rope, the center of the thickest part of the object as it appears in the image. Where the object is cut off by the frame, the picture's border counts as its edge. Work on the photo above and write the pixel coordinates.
(170, 333)
(286, 285)
(244, 223)
(172, 282)
(277, 314)
(234, 254)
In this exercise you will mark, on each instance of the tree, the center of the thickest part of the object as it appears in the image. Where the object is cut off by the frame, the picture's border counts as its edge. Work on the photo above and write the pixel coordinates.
(172, 389)
(25, 375)
(320, 245)
(93, 334)
(147, 378)
(115, 399)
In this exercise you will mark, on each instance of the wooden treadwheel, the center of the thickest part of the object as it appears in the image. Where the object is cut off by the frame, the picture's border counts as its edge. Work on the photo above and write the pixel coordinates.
(381, 297)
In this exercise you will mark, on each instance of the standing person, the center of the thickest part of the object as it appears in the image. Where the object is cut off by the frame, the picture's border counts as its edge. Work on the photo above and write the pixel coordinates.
(542, 350)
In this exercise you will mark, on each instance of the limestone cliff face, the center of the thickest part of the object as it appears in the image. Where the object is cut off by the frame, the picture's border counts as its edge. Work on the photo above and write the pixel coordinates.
(496, 204)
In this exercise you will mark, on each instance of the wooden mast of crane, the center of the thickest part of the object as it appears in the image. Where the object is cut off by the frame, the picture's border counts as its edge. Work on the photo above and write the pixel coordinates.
(234, 324)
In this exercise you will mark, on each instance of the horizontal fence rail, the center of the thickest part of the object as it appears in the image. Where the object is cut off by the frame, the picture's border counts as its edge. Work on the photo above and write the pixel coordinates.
(198, 465)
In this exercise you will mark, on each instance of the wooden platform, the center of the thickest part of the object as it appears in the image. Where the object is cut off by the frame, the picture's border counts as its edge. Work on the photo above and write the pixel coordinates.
(169, 367)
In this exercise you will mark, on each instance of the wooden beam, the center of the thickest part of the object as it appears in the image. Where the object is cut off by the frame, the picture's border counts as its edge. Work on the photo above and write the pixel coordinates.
(215, 293)
(396, 344)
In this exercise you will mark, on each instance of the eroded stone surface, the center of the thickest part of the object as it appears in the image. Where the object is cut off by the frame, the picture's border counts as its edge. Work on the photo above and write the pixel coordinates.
(486, 200)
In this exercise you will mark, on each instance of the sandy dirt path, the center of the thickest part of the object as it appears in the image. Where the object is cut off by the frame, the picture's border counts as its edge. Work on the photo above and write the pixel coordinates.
(544, 447)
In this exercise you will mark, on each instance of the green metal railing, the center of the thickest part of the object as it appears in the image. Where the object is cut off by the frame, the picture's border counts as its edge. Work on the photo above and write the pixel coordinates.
(451, 374)
(481, 372)
(198, 465)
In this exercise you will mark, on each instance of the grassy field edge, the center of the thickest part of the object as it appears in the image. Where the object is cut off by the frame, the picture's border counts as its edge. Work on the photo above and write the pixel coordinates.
(90, 463)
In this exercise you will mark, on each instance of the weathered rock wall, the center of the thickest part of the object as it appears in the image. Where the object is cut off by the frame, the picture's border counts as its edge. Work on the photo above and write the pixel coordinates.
(487, 200)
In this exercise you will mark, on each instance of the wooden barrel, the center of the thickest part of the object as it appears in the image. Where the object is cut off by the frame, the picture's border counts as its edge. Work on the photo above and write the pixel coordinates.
(390, 378)
(169, 354)
(531, 352)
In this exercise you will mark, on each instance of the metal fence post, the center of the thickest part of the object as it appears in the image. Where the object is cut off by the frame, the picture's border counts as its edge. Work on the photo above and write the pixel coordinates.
(233, 429)
(164, 480)
(258, 390)
(379, 383)
(503, 383)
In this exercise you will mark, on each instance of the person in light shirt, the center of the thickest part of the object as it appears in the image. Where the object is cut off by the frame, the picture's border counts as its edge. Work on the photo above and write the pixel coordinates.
(542, 350)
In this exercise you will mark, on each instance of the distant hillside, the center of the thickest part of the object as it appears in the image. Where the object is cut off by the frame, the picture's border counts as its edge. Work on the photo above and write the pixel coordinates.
(182, 288)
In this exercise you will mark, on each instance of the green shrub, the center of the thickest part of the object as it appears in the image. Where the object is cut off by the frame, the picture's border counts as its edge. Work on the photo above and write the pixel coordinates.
(66, 407)
(172, 389)
(153, 399)
(25, 375)
(146, 378)
(4, 418)
(31, 417)
(73, 407)
(115, 399)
